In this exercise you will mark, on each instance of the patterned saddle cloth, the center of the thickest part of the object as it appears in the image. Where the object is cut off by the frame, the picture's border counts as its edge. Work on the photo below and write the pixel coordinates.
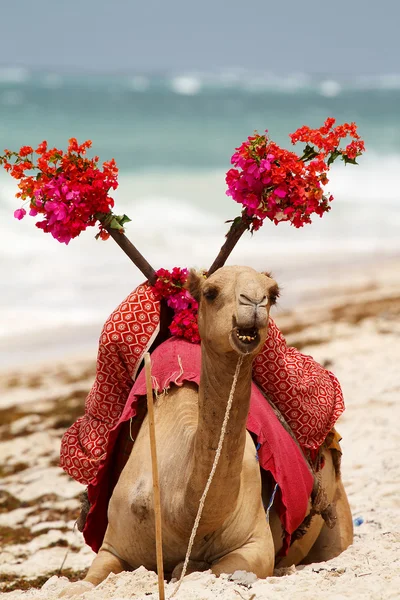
(307, 395)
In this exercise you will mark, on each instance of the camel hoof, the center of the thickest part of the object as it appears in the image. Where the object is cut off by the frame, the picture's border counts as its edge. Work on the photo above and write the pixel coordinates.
(76, 589)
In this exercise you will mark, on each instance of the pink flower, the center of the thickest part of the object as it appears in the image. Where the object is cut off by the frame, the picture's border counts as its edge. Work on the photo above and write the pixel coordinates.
(180, 301)
(265, 165)
(253, 169)
(252, 201)
(280, 192)
(19, 213)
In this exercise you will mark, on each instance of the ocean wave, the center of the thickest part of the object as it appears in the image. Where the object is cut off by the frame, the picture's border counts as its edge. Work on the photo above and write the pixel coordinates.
(330, 88)
(179, 218)
(138, 83)
(186, 85)
(388, 81)
(193, 82)
(52, 81)
(14, 75)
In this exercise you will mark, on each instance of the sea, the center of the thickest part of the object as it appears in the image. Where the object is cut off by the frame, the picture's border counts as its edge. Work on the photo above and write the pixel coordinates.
(172, 136)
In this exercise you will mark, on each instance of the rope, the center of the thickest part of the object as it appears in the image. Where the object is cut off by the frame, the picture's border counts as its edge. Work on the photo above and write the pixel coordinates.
(212, 473)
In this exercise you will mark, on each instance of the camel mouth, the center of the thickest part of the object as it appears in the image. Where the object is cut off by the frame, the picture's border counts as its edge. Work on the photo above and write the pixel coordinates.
(245, 340)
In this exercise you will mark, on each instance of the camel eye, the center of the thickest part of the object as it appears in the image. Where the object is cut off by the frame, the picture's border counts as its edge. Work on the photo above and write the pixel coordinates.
(210, 293)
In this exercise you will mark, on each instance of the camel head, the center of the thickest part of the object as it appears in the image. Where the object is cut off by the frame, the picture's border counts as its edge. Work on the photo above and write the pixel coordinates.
(234, 305)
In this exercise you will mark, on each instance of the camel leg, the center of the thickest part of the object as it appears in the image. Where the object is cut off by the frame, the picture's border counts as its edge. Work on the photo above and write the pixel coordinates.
(302, 547)
(193, 567)
(331, 542)
(104, 564)
(244, 559)
(297, 549)
(256, 556)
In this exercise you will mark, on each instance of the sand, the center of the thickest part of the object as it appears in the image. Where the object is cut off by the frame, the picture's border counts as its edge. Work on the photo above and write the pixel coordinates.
(353, 329)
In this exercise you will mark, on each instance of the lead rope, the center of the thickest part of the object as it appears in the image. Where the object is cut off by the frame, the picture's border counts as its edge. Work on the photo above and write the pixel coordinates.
(212, 473)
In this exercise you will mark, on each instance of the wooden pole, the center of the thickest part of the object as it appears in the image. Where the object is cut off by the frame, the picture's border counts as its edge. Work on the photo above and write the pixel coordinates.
(156, 486)
(232, 238)
(133, 253)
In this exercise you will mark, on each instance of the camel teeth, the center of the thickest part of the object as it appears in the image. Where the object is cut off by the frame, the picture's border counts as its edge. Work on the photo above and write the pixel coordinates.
(245, 338)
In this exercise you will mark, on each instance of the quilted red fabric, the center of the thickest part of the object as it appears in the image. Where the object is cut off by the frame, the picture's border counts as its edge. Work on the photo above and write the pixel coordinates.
(308, 395)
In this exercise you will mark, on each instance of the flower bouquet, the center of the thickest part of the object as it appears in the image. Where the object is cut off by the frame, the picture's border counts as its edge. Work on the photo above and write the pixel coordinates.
(69, 192)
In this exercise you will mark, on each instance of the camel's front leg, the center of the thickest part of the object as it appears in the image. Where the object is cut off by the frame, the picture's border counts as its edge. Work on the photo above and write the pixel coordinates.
(256, 556)
(104, 564)
(244, 559)
(193, 566)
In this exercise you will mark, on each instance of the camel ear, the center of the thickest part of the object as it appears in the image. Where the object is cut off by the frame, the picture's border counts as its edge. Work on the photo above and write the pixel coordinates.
(194, 284)
(273, 293)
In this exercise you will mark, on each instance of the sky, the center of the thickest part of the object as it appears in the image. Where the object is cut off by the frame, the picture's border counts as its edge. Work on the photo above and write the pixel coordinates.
(282, 36)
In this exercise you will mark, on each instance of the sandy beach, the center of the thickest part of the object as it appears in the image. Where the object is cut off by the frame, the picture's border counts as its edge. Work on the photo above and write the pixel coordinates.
(353, 328)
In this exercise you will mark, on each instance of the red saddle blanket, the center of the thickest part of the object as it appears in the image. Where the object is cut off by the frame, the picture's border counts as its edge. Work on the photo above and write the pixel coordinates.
(308, 396)
(175, 362)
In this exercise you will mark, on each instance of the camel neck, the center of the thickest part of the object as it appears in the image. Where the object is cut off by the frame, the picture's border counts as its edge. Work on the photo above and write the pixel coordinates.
(217, 376)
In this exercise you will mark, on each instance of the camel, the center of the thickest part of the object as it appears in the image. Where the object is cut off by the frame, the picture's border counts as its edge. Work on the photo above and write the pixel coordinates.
(234, 306)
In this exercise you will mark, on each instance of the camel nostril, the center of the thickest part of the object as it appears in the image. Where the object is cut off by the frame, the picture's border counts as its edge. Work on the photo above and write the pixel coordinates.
(246, 301)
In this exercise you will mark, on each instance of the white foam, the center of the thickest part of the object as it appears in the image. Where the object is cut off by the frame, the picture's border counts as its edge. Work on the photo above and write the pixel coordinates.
(178, 219)
(186, 85)
(389, 81)
(330, 88)
(13, 75)
(375, 180)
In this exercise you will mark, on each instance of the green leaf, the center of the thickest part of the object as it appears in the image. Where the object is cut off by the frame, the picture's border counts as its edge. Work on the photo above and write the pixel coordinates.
(124, 219)
(334, 155)
(347, 160)
(114, 224)
(309, 153)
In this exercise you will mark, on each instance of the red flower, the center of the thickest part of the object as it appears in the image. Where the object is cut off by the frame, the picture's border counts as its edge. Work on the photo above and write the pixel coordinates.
(170, 286)
(104, 235)
(70, 191)
(25, 150)
(271, 182)
(41, 149)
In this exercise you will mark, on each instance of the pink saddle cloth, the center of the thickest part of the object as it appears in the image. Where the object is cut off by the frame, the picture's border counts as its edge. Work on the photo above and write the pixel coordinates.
(174, 362)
